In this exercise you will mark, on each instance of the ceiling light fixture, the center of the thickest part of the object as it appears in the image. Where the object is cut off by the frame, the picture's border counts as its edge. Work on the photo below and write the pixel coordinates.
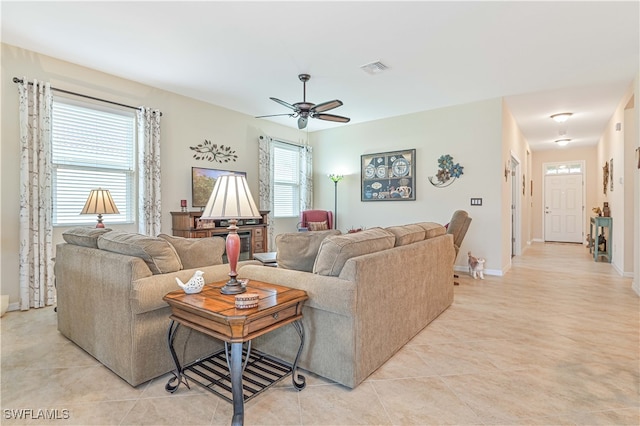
(563, 142)
(561, 117)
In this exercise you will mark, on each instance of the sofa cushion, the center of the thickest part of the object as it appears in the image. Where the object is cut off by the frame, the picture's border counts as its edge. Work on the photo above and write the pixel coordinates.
(317, 226)
(298, 250)
(157, 253)
(336, 250)
(432, 229)
(84, 236)
(197, 252)
(407, 234)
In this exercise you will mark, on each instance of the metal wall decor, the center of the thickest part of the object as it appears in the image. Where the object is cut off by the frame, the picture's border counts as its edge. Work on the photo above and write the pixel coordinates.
(611, 174)
(448, 172)
(388, 176)
(212, 152)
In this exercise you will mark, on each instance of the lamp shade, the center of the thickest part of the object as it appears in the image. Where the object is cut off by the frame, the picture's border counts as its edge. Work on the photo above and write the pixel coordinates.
(100, 202)
(231, 199)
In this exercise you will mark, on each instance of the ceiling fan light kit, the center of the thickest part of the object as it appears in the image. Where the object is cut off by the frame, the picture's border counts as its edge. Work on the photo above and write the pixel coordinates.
(303, 110)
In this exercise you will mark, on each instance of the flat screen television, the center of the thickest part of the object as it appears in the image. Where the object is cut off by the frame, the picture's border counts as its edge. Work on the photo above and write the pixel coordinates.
(202, 182)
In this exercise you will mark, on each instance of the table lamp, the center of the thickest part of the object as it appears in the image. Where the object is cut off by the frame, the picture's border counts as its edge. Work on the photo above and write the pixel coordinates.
(100, 202)
(231, 200)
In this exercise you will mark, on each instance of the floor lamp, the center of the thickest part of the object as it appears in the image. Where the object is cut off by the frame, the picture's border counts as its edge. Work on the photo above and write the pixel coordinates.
(231, 200)
(335, 179)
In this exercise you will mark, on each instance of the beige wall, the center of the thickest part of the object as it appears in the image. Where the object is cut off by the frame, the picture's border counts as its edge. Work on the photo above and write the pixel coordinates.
(515, 145)
(615, 144)
(635, 171)
(470, 133)
(593, 172)
(185, 122)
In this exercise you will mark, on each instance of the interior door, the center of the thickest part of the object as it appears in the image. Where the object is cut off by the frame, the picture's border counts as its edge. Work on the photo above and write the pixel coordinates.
(563, 208)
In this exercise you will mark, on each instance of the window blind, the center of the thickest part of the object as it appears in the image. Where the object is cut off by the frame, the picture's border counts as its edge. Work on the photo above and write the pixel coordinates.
(91, 148)
(286, 180)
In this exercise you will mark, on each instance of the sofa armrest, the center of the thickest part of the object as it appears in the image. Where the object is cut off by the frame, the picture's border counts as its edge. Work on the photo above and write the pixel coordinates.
(147, 293)
(330, 294)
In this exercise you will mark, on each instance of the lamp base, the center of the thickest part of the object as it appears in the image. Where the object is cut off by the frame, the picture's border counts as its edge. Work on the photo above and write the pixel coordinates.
(100, 224)
(233, 286)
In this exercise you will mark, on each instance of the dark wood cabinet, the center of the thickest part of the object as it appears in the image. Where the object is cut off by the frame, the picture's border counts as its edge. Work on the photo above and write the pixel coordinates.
(253, 232)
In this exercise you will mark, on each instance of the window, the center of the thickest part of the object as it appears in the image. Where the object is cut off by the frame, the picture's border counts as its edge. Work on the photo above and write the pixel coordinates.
(563, 168)
(286, 180)
(92, 147)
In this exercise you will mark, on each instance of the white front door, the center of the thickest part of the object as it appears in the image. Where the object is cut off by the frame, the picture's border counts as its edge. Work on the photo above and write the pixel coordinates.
(563, 208)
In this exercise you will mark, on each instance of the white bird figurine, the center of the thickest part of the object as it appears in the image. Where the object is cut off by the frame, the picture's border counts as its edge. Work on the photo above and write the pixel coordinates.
(194, 285)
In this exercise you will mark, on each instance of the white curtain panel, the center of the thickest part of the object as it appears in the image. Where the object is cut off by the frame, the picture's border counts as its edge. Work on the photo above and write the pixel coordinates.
(149, 192)
(306, 178)
(265, 180)
(36, 229)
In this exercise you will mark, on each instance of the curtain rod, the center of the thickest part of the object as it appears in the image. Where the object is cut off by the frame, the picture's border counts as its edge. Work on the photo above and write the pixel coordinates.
(287, 142)
(18, 80)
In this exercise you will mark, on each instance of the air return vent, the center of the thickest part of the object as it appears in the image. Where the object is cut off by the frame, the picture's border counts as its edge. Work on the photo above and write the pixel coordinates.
(374, 68)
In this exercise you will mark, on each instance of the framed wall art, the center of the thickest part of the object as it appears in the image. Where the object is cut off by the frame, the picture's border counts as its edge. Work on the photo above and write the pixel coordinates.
(388, 176)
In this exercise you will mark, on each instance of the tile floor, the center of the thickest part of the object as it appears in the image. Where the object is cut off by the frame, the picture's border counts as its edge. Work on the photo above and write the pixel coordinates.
(553, 342)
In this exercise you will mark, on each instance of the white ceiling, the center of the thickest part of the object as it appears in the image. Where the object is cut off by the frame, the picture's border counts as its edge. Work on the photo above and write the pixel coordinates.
(543, 57)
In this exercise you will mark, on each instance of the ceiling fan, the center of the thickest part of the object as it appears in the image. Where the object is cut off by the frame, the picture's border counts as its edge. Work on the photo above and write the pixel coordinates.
(303, 110)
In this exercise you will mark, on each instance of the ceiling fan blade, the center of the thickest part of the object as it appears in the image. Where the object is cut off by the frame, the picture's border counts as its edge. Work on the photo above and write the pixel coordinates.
(274, 115)
(326, 106)
(302, 122)
(331, 117)
(283, 103)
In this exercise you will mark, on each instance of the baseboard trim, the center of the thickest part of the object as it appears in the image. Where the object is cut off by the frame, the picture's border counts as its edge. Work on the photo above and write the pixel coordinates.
(465, 270)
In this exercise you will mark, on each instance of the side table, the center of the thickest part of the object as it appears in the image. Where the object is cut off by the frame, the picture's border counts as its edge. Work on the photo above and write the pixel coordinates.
(225, 372)
(599, 223)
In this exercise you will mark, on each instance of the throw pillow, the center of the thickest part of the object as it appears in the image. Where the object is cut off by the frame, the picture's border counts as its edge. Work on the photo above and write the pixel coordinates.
(336, 250)
(84, 236)
(197, 252)
(298, 250)
(317, 226)
(157, 253)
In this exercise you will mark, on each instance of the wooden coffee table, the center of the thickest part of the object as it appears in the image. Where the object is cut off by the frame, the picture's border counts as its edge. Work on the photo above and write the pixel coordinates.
(245, 373)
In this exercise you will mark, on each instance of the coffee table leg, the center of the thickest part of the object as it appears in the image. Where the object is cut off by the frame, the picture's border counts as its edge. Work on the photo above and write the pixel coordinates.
(177, 374)
(236, 384)
(299, 382)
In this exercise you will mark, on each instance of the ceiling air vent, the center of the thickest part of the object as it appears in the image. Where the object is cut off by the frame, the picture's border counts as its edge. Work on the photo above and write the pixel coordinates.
(374, 68)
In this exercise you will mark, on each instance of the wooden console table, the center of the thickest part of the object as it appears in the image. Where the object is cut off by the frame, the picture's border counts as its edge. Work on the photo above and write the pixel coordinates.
(189, 225)
(598, 223)
(225, 373)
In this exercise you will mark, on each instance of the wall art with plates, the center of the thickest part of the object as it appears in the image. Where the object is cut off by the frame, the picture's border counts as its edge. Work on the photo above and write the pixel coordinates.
(388, 176)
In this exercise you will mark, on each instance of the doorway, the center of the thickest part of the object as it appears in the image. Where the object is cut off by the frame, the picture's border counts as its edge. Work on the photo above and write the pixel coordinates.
(563, 215)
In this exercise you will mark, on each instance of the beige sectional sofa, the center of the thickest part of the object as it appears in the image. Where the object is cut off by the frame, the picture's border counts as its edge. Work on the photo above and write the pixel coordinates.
(110, 286)
(370, 292)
